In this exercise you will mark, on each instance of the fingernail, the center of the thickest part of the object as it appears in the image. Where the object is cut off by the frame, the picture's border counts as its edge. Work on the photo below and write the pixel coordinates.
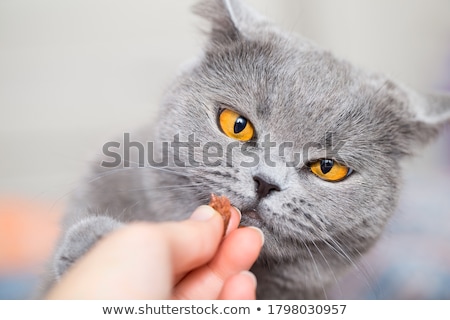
(250, 275)
(227, 221)
(238, 211)
(202, 213)
(260, 232)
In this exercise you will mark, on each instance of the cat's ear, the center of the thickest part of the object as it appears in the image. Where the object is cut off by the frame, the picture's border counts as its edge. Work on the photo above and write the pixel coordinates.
(435, 109)
(230, 19)
(430, 113)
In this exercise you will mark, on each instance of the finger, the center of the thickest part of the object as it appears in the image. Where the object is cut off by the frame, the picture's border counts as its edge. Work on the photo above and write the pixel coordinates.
(193, 242)
(241, 286)
(238, 251)
(235, 219)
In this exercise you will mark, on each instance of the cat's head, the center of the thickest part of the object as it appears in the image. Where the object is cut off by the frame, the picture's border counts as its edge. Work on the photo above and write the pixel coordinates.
(305, 144)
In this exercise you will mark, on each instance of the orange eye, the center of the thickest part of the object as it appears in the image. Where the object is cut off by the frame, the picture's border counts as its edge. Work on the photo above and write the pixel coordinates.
(235, 126)
(330, 170)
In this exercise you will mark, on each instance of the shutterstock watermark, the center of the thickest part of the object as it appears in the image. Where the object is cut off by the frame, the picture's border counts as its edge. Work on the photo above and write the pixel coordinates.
(191, 152)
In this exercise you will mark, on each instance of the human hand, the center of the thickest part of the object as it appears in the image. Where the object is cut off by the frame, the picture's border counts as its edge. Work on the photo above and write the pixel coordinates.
(172, 260)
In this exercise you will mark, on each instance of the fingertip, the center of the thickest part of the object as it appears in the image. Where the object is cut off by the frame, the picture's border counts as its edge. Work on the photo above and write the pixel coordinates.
(260, 233)
(241, 286)
(250, 275)
(203, 213)
(235, 219)
(237, 211)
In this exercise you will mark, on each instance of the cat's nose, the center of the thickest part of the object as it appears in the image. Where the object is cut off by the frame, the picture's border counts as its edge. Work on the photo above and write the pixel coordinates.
(264, 188)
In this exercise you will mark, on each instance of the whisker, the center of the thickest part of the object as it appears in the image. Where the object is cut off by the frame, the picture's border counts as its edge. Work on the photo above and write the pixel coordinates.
(368, 273)
(360, 269)
(315, 267)
(172, 188)
(329, 268)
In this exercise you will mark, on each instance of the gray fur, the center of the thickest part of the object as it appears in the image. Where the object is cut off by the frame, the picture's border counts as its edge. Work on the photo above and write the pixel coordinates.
(296, 92)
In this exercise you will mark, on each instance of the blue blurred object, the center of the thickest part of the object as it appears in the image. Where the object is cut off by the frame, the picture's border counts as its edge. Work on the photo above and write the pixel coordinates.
(17, 286)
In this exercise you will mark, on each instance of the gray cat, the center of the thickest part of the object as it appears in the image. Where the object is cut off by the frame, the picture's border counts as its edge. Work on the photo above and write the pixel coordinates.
(306, 145)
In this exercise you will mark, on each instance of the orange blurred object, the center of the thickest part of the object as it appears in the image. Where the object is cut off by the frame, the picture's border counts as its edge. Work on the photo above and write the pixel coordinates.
(28, 231)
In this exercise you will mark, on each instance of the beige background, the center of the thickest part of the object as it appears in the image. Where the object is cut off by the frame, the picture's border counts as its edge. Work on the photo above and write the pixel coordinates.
(75, 73)
(72, 73)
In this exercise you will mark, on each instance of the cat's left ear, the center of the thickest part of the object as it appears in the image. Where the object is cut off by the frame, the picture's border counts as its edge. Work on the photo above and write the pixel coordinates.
(430, 113)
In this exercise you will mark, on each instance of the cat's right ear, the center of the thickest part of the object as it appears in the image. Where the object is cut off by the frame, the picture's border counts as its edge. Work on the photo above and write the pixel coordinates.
(229, 19)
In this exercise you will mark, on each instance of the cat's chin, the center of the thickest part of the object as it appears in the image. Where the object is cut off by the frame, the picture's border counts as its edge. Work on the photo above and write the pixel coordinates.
(251, 217)
(252, 214)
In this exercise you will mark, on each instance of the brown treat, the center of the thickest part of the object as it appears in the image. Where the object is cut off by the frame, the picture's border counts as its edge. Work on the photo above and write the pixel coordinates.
(222, 205)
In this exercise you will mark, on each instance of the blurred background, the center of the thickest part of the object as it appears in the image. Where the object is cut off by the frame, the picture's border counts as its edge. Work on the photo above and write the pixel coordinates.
(75, 73)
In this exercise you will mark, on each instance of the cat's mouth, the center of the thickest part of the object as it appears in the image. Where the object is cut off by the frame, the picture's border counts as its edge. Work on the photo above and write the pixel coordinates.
(252, 214)
(251, 217)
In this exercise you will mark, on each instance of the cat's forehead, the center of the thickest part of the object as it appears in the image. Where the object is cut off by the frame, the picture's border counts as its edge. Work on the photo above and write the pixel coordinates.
(299, 93)
(283, 82)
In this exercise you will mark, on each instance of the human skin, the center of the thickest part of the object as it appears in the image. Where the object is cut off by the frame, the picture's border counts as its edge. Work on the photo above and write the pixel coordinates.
(173, 260)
